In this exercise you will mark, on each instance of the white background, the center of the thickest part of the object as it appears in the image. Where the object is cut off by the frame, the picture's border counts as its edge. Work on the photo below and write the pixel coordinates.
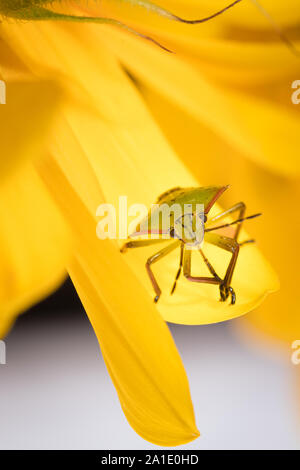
(55, 392)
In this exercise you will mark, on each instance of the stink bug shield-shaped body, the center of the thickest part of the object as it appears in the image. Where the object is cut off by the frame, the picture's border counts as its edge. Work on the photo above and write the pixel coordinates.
(178, 213)
(181, 215)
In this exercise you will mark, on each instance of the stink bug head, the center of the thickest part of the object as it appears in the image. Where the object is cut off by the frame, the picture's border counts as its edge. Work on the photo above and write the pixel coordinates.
(189, 228)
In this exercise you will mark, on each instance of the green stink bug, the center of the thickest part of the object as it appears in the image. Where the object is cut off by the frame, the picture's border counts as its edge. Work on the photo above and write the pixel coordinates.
(196, 228)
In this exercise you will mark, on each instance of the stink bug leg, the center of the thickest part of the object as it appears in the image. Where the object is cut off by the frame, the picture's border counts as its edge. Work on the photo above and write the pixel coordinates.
(153, 259)
(231, 245)
(179, 269)
(240, 207)
(187, 258)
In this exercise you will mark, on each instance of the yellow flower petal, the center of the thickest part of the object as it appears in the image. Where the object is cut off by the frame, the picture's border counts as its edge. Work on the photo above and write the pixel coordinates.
(241, 119)
(34, 244)
(34, 238)
(125, 153)
(120, 170)
(25, 121)
(129, 328)
(241, 37)
(279, 317)
(244, 15)
(157, 405)
(277, 199)
(133, 337)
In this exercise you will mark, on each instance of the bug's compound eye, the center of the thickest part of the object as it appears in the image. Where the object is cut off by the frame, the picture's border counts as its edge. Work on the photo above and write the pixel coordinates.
(205, 218)
(172, 233)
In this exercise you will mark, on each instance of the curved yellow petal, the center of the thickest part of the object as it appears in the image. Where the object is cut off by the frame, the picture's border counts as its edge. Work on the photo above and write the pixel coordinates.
(137, 346)
(132, 341)
(241, 119)
(130, 330)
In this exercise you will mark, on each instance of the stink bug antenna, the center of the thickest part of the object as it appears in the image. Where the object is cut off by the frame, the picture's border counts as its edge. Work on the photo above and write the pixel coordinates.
(238, 221)
(201, 20)
(154, 8)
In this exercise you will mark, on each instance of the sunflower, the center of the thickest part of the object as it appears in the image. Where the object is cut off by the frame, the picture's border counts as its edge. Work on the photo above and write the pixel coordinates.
(127, 117)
